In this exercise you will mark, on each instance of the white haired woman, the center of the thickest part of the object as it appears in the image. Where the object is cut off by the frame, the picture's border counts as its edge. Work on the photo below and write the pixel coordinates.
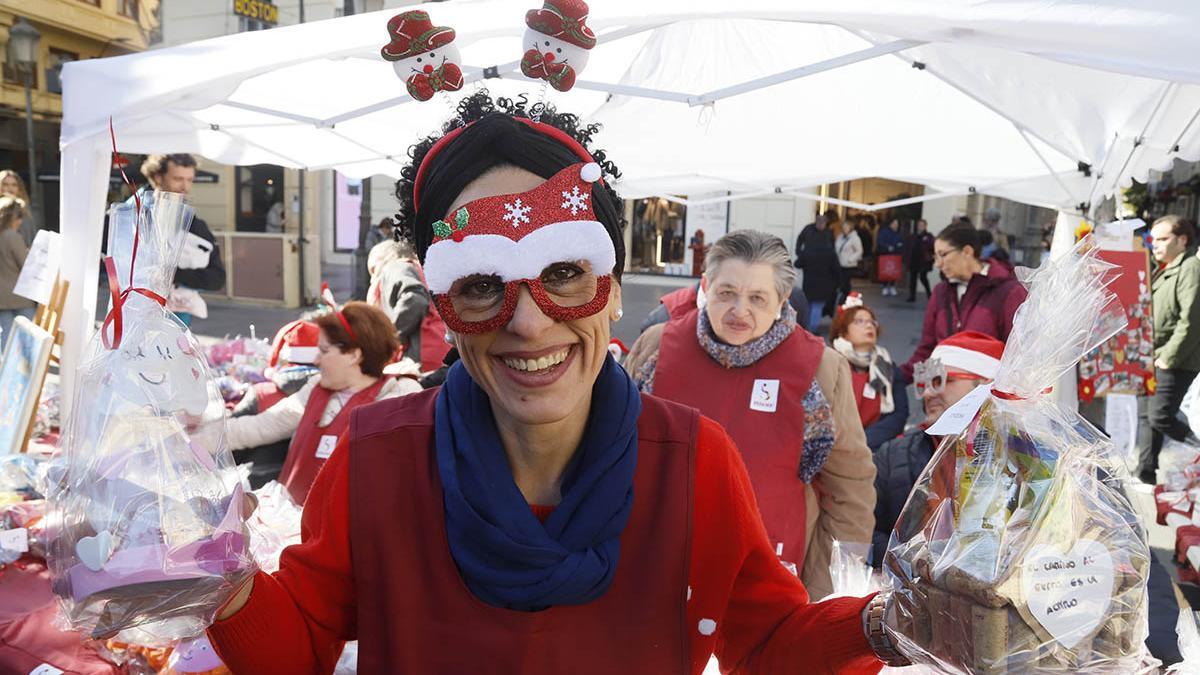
(786, 400)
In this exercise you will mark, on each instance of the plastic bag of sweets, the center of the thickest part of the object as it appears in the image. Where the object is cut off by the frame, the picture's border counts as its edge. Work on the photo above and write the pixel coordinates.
(148, 507)
(1018, 551)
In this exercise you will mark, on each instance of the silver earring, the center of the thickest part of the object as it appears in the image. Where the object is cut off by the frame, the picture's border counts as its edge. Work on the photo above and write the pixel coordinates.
(620, 313)
(448, 337)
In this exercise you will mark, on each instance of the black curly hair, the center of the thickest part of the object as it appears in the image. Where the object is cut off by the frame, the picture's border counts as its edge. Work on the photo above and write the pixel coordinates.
(493, 140)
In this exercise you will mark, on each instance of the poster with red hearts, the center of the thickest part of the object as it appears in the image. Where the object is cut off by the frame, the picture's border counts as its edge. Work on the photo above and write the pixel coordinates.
(1125, 363)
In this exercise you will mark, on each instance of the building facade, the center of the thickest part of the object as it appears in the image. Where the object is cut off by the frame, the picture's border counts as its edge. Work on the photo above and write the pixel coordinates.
(70, 30)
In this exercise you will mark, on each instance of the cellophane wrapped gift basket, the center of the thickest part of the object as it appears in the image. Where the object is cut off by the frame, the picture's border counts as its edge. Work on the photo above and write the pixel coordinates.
(1018, 551)
(150, 538)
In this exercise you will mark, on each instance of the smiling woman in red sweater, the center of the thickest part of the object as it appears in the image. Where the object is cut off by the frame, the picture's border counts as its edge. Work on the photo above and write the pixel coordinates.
(535, 514)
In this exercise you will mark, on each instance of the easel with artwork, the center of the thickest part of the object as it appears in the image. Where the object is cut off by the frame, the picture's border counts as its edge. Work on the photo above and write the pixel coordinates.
(28, 351)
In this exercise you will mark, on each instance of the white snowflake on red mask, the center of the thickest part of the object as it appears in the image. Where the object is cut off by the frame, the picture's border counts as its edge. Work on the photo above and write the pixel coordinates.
(517, 213)
(575, 200)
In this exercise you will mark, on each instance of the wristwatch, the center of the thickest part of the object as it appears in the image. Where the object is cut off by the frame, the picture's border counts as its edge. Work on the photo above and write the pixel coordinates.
(876, 632)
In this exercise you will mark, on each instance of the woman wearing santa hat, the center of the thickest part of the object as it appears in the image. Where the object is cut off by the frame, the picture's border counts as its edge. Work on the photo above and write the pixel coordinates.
(783, 396)
(353, 345)
(957, 365)
(535, 514)
(878, 386)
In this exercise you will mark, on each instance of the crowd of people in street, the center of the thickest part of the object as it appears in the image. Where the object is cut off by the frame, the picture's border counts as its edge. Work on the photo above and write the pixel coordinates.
(754, 432)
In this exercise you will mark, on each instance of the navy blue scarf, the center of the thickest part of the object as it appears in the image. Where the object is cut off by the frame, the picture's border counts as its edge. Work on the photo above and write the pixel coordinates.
(506, 556)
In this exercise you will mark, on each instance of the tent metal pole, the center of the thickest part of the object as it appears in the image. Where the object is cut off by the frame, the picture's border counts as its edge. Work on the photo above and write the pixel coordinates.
(804, 71)
(973, 97)
(1059, 180)
(275, 113)
(1137, 144)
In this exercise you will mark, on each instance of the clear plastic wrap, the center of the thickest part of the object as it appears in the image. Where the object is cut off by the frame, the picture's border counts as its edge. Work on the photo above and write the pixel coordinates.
(1017, 550)
(1189, 644)
(147, 507)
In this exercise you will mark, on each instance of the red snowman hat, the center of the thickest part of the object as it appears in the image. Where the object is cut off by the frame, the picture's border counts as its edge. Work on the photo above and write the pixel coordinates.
(970, 352)
(413, 33)
(516, 236)
(296, 342)
(563, 19)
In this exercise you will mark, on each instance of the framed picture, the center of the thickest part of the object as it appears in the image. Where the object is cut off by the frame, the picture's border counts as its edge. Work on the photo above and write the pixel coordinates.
(26, 356)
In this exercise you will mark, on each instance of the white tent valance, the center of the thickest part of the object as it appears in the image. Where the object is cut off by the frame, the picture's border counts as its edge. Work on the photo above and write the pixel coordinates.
(1048, 102)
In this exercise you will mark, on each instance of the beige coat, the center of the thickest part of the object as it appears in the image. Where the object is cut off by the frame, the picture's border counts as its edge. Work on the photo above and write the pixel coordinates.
(842, 505)
(12, 258)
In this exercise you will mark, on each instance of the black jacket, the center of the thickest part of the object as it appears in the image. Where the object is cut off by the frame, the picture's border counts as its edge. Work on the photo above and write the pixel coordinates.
(898, 464)
(211, 278)
(816, 256)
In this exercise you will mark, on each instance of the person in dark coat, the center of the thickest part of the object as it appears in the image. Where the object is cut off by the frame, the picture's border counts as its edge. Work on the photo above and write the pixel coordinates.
(957, 365)
(822, 272)
(918, 255)
(177, 173)
(890, 242)
(977, 295)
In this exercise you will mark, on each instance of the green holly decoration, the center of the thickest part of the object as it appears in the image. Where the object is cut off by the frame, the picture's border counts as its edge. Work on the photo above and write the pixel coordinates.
(443, 229)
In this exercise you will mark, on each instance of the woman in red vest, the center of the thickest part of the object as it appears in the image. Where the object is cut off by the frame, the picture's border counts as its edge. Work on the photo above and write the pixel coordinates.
(782, 395)
(534, 514)
(355, 344)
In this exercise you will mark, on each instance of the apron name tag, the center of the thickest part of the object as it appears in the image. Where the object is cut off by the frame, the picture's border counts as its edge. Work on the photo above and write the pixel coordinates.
(326, 446)
(764, 397)
(868, 391)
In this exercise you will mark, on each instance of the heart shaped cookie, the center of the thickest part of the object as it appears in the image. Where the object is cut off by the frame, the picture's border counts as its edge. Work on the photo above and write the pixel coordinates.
(1069, 594)
(94, 551)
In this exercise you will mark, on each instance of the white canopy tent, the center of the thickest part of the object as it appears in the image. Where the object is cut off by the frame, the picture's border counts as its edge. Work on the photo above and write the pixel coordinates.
(1048, 102)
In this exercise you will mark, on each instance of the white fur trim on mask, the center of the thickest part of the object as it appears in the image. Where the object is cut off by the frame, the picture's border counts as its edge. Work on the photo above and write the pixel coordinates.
(448, 261)
(957, 358)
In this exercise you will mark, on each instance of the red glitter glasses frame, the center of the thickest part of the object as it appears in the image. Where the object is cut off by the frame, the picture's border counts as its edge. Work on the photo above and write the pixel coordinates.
(537, 290)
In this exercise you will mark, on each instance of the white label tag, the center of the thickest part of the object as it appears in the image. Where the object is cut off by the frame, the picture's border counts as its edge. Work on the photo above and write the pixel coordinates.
(46, 669)
(16, 540)
(1069, 593)
(868, 392)
(765, 396)
(326, 446)
(956, 418)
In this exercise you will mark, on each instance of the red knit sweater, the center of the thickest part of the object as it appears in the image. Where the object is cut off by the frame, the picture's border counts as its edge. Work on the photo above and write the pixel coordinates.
(762, 622)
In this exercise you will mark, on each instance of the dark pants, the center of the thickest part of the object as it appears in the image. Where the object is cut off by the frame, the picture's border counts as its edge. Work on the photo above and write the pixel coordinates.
(915, 273)
(1172, 386)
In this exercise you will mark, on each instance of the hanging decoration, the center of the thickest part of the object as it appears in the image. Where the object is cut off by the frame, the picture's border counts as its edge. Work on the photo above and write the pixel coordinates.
(557, 43)
(423, 55)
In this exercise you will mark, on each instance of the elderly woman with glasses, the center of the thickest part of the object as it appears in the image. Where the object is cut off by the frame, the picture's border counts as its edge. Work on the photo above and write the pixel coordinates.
(535, 514)
(876, 382)
(980, 295)
(783, 396)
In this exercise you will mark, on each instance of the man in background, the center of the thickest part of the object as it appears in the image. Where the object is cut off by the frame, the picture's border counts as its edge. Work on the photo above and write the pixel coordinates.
(957, 365)
(200, 267)
(1174, 284)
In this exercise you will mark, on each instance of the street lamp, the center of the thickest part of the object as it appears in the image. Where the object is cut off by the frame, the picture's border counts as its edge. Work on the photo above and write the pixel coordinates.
(23, 43)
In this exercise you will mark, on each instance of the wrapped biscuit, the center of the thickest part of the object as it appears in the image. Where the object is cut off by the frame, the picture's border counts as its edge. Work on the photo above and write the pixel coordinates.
(1018, 550)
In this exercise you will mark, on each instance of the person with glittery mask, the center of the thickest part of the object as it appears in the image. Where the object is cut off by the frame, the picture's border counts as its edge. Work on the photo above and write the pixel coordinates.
(535, 514)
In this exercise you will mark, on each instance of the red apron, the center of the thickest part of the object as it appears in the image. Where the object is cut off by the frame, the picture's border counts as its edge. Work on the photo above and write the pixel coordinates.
(869, 409)
(415, 613)
(760, 406)
(308, 451)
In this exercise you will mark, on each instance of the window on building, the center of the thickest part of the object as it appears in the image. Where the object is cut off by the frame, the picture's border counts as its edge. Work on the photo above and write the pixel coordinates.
(54, 65)
(259, 190)
(91, 2)
(128, 8)
(14, 75)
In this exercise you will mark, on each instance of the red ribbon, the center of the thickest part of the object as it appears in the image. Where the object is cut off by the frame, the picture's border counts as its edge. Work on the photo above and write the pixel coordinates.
(115, 316)
(1009, 396)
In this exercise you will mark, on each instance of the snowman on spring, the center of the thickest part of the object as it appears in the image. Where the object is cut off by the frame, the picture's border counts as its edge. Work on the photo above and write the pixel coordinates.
(557, 42)
(423, 55)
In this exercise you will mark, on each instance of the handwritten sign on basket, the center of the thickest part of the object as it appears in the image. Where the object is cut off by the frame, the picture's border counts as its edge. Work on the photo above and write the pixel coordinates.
(41, 267)
(1069, 593)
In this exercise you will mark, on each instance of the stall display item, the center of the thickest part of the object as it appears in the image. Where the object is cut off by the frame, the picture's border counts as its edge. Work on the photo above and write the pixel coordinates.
(1018, 551)
(150, 536)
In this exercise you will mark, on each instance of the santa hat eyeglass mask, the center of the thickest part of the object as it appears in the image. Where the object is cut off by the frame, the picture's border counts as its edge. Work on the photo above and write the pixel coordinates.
(547, 239)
